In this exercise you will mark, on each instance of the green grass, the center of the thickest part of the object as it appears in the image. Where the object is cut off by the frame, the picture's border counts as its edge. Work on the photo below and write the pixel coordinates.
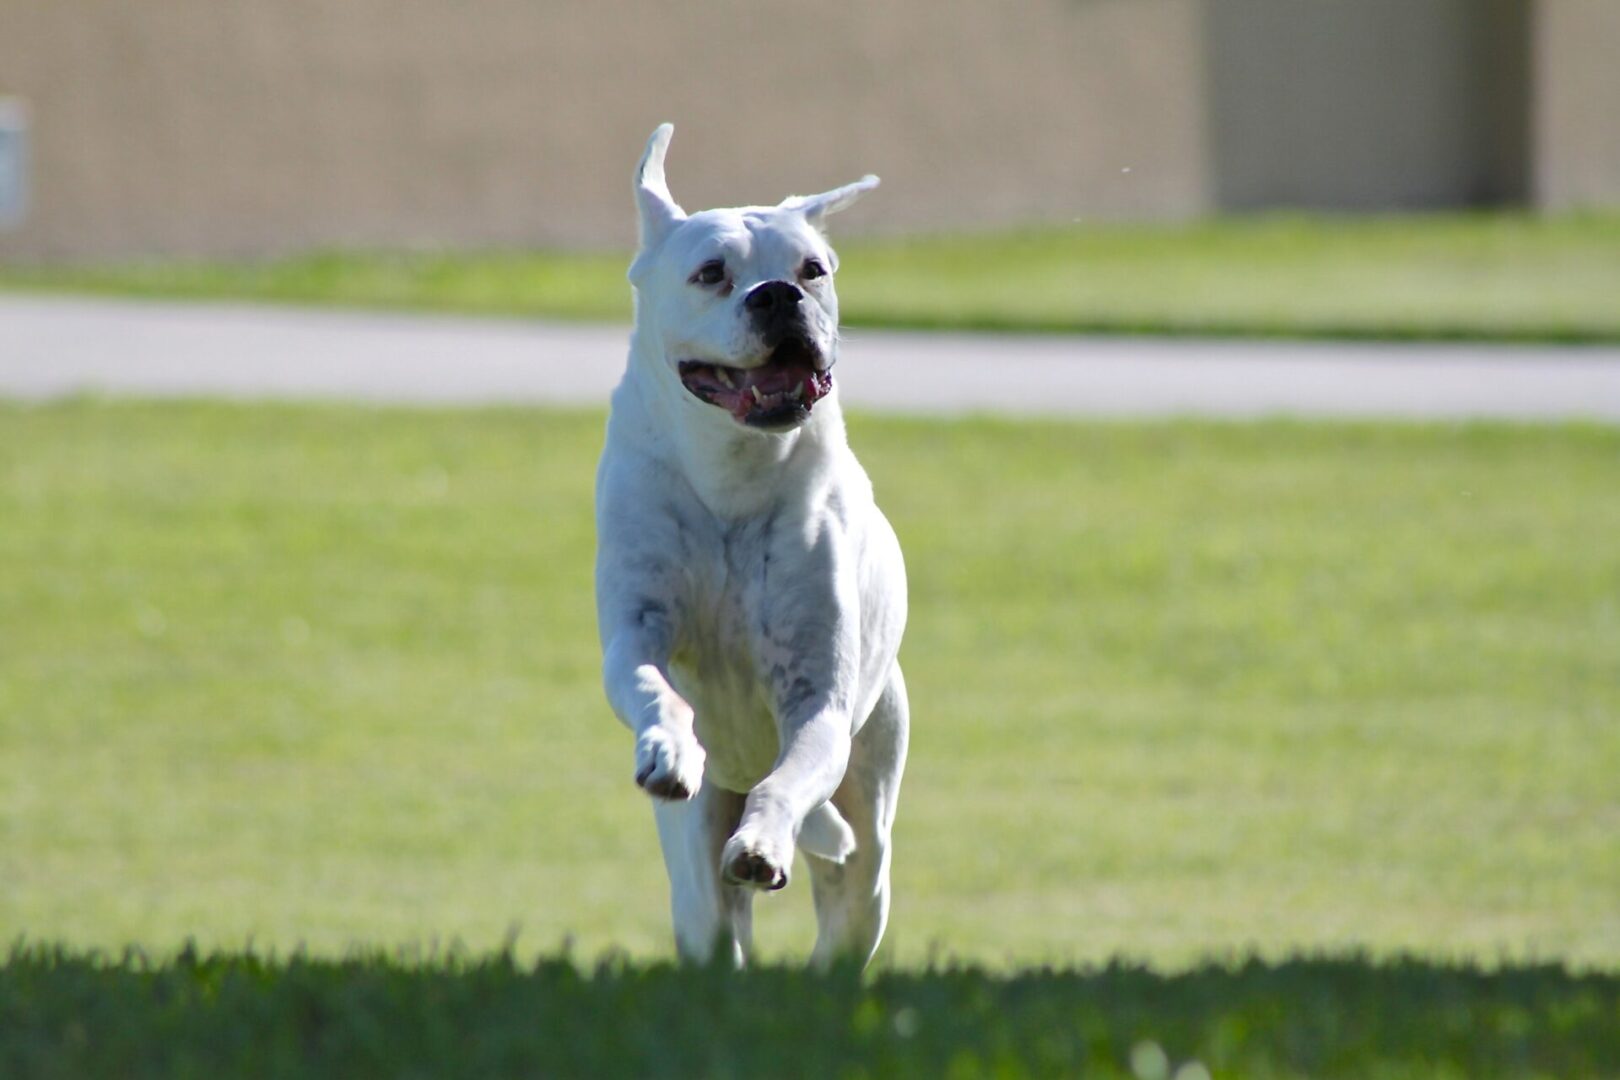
(1335, 703)
(328, 675)
(69, 1015)
(1468, 276)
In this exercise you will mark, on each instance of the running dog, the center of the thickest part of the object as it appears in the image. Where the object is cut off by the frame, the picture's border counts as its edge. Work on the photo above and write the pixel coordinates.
(750, 595)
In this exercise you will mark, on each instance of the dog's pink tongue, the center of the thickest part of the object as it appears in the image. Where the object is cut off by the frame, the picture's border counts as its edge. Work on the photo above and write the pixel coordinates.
(774, 379)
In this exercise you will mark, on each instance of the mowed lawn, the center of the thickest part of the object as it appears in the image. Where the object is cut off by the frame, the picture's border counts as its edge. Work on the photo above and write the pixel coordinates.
(280, 675)
(1472, 276)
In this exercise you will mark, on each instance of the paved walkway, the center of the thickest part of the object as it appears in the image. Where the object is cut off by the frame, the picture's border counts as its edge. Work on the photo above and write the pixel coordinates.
(56, 346)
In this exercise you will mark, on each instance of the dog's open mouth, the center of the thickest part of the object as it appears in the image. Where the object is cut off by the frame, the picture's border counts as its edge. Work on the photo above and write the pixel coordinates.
(777, 393)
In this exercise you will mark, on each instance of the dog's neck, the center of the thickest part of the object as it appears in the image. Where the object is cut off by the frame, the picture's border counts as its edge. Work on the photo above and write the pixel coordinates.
(735, 471)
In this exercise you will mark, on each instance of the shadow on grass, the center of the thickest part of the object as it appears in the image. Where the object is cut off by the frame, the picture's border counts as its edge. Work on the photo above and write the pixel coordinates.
(71, 1014)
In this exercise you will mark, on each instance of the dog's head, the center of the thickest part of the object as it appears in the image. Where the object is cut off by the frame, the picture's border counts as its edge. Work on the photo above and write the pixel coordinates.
(739, 302)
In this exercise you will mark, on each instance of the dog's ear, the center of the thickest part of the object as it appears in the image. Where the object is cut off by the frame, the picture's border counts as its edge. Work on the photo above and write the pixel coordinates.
(815, 208)
(658, 212)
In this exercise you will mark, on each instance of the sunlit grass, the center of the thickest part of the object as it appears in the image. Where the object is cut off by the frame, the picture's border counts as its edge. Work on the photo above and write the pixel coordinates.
(329, 675)
(1480, 276)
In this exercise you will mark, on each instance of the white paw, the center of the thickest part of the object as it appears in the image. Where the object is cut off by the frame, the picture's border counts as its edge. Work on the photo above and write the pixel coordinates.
(669, 764)
(755, 856)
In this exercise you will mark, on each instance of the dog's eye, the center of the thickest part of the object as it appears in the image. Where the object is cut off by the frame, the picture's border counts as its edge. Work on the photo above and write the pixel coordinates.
(712, 272)
(812, 269)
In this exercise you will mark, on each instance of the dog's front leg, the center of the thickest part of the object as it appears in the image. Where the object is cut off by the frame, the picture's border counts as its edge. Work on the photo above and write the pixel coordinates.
(814, 755)
(669, 759)
(808, 651)
(809, 771)
(808, 654)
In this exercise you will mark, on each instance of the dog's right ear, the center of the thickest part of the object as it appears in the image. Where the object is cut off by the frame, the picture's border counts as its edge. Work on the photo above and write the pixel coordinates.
(658, 212)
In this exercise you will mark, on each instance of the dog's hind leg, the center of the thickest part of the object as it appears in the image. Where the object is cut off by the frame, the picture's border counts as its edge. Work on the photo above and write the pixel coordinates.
(713, 919)
(852, 897)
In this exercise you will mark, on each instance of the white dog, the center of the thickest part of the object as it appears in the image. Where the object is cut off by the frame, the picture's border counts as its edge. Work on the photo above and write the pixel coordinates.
(750, 595)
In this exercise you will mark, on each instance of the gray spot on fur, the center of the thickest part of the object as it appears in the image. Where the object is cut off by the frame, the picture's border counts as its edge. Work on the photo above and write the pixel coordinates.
(791, 697)
(650, 610)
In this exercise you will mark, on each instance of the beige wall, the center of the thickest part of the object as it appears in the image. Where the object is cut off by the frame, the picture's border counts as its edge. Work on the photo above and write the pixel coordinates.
(1576, 113)
(220, 127)
(229, 126)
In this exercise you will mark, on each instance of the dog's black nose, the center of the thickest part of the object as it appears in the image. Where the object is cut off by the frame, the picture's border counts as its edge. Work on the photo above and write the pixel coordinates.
(777, 298)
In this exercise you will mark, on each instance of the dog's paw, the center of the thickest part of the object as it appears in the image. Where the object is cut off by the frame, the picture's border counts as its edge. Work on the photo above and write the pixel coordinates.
(751, 857)
(669, 764)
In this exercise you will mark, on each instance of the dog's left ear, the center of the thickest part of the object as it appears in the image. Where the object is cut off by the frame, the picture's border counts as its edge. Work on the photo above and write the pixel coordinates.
(815, 208)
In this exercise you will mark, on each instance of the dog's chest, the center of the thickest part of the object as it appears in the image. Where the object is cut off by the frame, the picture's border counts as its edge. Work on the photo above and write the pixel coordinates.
(715, 666)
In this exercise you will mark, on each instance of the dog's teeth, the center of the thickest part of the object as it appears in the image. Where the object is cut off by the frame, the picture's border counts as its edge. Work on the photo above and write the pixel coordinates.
(798, 392)
(757, 397)
(720, 373)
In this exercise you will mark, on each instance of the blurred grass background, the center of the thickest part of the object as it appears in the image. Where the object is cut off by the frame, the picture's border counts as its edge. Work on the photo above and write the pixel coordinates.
(1480, 276)
(328, 675)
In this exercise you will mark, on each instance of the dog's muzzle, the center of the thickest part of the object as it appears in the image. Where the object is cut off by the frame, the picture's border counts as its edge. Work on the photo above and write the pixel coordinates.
(780, 392)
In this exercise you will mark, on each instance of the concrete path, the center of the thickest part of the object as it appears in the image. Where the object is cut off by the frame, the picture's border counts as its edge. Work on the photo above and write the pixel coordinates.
(55, 346)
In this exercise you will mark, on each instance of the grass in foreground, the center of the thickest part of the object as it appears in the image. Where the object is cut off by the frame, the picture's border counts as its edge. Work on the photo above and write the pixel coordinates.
(65, 1014)
(1473, 276)
(329, 675)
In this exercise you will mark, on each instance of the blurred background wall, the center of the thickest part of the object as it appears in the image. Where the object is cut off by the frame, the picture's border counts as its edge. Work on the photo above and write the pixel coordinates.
(1575, 127)
(1367, 104)
(227, 127)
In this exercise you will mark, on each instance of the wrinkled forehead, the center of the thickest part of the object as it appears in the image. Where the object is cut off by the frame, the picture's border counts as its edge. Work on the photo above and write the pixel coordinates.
(753, 235)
